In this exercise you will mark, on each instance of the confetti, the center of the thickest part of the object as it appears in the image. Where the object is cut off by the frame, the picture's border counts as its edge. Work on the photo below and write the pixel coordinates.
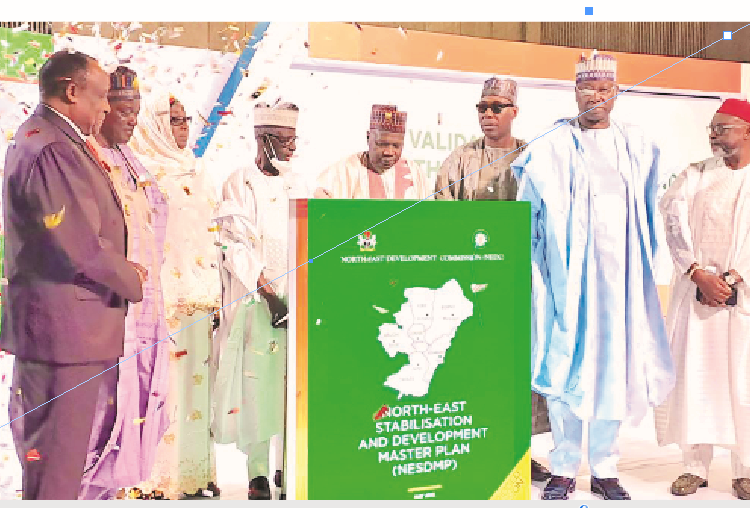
(224, 113)
(273, 346)
(402, 31)
(214, 229)
(33, 455)
(440, 118)
(8, 135)
(186, 189)
(138, 421)
(179, 354)
(53, 220)
(262, 88)
(250, 374)
(359, 27)
(195, 415)
(176, 273)
(307, 45)
(111, 401)
(234, 411)
(383, 411)
(35, 44)
(318, 322)
(197, 379)
(169, 438)
(440, 55)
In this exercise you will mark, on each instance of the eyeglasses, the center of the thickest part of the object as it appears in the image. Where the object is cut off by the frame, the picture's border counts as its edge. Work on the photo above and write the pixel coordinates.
(284, 141)
(720, 128)
(496, 107)
(591, 92)
(174, 121)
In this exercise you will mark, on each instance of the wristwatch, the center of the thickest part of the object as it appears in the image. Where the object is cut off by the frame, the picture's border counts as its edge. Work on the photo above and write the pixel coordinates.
(729, 278)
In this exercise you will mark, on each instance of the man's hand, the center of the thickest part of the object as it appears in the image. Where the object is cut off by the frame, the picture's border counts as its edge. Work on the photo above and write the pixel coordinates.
(264, 287)
(736, 275)
(714, 289)
(321, 193)
(142, 272)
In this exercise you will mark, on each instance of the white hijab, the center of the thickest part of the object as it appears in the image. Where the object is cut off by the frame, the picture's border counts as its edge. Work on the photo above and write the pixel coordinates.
(153, 140)
(189, 274)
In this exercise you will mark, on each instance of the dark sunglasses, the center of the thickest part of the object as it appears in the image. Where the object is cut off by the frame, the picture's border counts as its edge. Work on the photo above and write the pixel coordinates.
(179, 120)
(496, 107)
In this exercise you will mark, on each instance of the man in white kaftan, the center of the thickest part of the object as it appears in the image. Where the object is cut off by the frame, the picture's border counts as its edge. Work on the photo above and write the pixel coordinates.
(380, 172)
(600, 353)
(707, 216)
(250, 347)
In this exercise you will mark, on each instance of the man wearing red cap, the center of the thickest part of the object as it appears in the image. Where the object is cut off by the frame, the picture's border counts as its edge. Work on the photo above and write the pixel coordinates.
(707, 216)
(380, 172)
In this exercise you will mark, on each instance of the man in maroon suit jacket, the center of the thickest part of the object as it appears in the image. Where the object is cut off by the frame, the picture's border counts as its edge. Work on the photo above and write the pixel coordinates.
(69, 280)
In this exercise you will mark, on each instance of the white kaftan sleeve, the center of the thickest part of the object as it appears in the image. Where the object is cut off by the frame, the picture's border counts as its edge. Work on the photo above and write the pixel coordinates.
(237, 218)
(675, 208)
(334, 180)
(651, 189)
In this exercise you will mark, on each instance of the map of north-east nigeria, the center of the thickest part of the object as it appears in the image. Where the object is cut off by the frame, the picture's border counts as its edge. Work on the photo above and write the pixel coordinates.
(424, 329)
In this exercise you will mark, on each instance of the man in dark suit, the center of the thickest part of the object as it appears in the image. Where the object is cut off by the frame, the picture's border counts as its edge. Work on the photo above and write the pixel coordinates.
(69, 281)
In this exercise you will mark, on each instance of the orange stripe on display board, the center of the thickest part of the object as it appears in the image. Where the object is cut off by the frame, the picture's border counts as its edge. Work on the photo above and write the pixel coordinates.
(300, 217)
(343, 41)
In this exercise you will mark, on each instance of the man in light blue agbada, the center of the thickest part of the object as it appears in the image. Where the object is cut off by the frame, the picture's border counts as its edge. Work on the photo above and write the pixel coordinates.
(600, 353)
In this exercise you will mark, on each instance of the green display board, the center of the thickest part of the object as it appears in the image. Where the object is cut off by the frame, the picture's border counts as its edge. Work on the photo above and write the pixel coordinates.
(23, 53)
(418, 350)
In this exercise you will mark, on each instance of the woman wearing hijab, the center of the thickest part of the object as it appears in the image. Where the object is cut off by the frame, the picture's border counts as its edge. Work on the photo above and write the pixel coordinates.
(185, 463)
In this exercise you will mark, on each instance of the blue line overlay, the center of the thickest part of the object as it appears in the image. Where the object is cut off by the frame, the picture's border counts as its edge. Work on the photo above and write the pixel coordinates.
(367, 229)
(230, 88)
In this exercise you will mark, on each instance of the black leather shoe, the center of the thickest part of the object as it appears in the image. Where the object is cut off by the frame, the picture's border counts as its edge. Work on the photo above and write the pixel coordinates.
(259, 489)
(539, 473)
(558, 488)
(609, 488)
(216, 491)
(210, 492)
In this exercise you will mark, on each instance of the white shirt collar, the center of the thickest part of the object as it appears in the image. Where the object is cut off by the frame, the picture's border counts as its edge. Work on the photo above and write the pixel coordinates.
(74, 126)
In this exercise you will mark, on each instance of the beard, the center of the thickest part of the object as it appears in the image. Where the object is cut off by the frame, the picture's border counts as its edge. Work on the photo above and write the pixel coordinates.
(723, 151)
